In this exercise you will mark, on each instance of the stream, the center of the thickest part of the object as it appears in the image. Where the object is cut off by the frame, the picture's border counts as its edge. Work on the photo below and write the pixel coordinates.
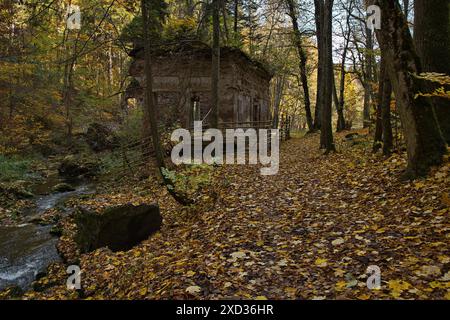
(27, 250)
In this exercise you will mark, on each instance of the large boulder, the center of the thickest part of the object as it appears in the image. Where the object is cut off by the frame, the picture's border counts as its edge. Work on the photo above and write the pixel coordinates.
(119, 228)
(99, 137)
(74, 167)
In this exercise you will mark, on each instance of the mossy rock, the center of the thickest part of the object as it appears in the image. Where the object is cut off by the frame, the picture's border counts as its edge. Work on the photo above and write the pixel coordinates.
(56, 231)
(119, 228)
(63, 187)
(78, 166)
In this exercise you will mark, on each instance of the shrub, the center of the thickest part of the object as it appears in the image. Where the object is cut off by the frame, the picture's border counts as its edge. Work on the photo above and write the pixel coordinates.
(192, 181)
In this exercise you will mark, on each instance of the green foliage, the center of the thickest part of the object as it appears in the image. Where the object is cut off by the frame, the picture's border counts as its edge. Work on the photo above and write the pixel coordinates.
(13, 168)
(109, 162)
(131, 130)
(180, 29)
(133, 31)
(172, 31)
(191, 181)
(43, 97)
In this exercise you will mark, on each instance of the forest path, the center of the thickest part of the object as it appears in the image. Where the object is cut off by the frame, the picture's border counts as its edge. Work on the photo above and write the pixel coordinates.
(310, 231)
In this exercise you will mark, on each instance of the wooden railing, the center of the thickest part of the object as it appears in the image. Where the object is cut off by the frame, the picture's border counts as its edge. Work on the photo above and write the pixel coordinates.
(134, 154)
(267, 124)
(285, 127)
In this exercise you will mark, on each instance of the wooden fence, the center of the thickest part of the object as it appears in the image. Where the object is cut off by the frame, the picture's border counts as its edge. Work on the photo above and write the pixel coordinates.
(134, 154)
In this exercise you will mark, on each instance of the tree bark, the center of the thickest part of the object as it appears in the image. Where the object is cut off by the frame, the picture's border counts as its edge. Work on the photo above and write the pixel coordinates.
(236, 20)
(382, 100)
(225, 22)
(368, 62)
(406, 8)
(432, 41)
(303, 62)
(386, 110)
(149, 101)
(326, 132)
(425, 145)
(318, 5)
(339, 103)
(279, 87)
(215, 64)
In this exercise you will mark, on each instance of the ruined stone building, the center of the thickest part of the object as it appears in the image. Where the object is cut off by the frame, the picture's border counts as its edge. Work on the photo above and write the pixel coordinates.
(182, 86)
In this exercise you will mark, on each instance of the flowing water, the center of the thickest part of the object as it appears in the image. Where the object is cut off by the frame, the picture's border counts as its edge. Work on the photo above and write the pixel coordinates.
(26, 250)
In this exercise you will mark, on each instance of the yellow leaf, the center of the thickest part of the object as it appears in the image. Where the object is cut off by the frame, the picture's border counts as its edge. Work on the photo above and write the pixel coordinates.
(437, 284)
(260, 298)
(190, 273)
(143, 291)
(320, 262)
(419, 185)
(397, 287)
(446, 199)
(337, 241)
(427, 271)
(290, 291)
(341, 285)
(339, 272)
(447, 295)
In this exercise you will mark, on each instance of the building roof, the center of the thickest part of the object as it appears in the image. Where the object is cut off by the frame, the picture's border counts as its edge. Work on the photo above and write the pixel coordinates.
(198, 47)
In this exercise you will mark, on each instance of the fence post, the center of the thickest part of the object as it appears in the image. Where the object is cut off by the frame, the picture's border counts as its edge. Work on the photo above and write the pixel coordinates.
(289, 128)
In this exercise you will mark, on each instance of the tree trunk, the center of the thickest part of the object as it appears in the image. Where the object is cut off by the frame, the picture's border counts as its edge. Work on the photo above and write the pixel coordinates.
(368, 62)
(425, 145)
(149, 101)
(339, 103)
(279, 87)
(383, 130)
(303, 62)
(215, 64)
(378, 137)
(432, 41)
(236, 19)
(318, 5)
(386, 110)
(326, 132)
(406, 8)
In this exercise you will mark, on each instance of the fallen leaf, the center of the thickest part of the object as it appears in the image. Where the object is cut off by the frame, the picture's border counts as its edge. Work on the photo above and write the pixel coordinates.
(193, 289)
